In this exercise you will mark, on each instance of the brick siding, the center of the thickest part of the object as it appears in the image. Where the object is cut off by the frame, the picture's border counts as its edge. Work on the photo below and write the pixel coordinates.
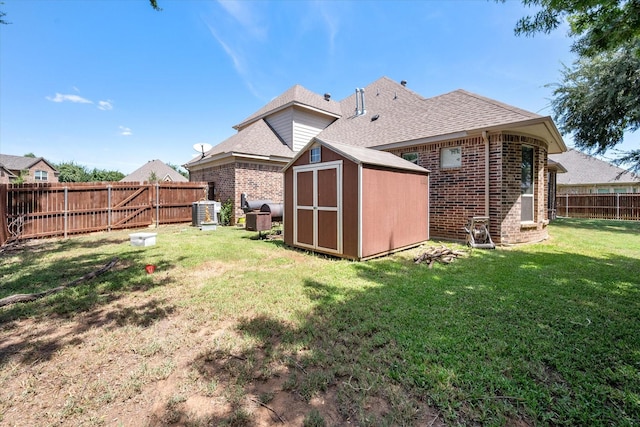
(258, 180)
(458, 194)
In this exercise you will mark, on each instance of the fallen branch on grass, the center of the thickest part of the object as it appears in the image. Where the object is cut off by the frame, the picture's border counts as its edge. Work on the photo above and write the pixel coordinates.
(441, 254)
(32, 297)
(264, 405)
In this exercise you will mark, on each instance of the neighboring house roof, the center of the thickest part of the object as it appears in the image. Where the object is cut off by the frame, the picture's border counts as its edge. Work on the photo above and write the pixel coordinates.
(7, 172)
(367, 156)
(583, 169)
(18, 163)
(396, 116)
(298, 96)
(257, 139)
(162, 171)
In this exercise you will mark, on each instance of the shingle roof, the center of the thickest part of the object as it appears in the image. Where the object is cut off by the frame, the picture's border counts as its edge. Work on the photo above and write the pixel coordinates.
(295, 95)
(157, 167)
(403, 115)
(19, 162)
(583, 169)
(257, 139)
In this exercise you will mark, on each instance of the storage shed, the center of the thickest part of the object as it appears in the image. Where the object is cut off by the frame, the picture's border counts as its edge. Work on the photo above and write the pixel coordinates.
(354, 202)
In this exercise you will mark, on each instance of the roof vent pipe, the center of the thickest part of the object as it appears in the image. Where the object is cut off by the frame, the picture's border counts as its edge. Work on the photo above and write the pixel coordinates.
(403, 82)
(364, 110)
(357, 102)
(327, 96)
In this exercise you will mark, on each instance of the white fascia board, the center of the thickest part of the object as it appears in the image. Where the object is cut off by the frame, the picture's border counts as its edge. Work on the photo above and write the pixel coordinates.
(223, 158)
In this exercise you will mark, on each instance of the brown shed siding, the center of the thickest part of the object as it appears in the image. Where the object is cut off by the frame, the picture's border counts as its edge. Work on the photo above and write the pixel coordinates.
(394, 210)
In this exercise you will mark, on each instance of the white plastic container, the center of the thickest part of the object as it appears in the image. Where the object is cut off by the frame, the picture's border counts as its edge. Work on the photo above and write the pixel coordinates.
(143, 239)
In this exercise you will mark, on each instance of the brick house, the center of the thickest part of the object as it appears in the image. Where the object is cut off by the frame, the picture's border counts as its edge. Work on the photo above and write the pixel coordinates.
(33, 169)
(486, 158)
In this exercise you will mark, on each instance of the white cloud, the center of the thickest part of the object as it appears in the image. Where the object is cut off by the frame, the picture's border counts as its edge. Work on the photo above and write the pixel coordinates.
(105, 105)
(69, 98)
(331, 21)
(125, 131)
(243, 12)
(237, 61)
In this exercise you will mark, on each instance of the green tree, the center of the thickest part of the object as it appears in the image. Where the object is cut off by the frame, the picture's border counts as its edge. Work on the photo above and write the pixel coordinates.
(101, 175)
(31, 155)
(598, 26)
(2, 15)
(72, 172)
(597, 99)
(179, 169)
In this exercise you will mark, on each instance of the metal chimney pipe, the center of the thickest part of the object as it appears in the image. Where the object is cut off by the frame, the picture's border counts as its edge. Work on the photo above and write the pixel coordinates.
(357, 102)
(364, 110)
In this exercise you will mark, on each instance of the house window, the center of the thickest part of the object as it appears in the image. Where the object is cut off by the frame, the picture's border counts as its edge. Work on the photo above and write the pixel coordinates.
(411, 157)
(41, 175)
(451, 157)
(527, 185)
(314, 155)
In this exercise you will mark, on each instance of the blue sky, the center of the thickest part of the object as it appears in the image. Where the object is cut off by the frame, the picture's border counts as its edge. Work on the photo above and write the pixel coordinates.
(112, 84)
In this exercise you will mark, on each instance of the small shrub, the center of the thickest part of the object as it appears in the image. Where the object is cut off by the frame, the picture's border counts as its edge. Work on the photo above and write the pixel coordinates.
(314, 419)
(226, 212)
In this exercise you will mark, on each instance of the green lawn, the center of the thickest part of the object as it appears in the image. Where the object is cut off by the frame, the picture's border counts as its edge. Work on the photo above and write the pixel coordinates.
(540, 334)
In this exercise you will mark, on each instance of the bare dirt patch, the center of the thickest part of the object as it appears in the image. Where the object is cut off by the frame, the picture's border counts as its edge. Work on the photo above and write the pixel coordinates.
(157, 354)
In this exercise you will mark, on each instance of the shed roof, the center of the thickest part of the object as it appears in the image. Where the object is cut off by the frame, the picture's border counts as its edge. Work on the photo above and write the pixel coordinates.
(295, 95)
(583, 169)
(363, 155)
(161, 170)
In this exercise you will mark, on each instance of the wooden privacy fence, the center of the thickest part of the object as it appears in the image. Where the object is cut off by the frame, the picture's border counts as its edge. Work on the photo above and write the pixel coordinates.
(46, 210)
(624, 206)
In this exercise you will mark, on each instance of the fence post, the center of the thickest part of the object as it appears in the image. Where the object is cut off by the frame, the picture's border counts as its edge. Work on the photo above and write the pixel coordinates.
(109, 207)
(618, 206)
(4, 230)
(66, 210)
(566, 205)
(157, 204)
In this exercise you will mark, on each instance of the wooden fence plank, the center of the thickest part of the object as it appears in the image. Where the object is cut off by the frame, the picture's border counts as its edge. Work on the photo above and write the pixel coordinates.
(46, 210)
(618, 206)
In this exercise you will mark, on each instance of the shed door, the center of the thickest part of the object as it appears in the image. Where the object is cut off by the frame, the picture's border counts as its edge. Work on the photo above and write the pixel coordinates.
(318, 206)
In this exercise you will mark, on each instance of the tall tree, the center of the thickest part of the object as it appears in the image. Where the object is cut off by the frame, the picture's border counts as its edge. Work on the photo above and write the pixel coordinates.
(72, 172)
(598, 25)
(179, 169)
(597, 99)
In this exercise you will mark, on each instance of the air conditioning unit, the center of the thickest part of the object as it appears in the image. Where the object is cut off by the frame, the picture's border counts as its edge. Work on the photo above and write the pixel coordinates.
(199, 212)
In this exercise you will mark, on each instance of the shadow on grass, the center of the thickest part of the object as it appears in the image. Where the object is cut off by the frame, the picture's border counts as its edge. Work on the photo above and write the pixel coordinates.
(625, 227)
(501, 337)
(27, 271)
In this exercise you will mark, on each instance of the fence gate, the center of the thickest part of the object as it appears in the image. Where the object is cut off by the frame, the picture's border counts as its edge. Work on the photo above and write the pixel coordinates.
(42, 210)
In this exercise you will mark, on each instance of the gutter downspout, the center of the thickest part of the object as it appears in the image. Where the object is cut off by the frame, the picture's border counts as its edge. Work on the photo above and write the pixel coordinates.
(485, 138)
